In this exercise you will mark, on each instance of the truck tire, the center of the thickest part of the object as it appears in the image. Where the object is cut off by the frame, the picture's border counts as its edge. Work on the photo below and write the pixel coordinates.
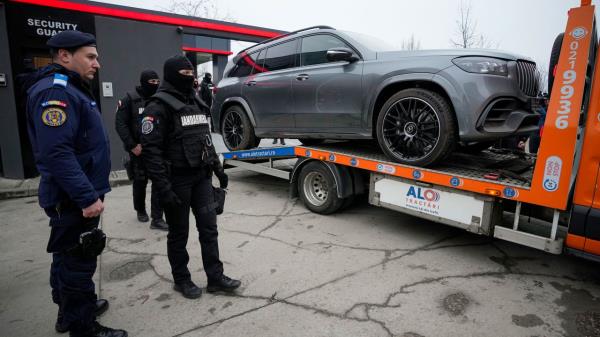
(554, 55)
(416, 127)
(236, 129)
(317, 189)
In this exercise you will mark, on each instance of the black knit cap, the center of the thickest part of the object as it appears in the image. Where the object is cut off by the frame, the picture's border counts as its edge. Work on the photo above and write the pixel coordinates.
(148, 75)
(71, 39)
(173, 65)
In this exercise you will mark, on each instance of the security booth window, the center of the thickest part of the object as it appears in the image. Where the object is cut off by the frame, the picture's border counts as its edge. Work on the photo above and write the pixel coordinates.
(314, 48)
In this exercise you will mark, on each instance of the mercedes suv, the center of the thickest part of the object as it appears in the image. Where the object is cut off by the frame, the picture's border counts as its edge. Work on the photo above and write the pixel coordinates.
(321, 83)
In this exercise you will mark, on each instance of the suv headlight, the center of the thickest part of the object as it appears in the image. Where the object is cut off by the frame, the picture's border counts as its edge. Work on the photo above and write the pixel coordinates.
(482, 65)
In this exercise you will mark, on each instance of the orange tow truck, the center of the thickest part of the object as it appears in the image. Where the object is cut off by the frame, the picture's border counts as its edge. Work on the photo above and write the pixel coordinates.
(549, 201)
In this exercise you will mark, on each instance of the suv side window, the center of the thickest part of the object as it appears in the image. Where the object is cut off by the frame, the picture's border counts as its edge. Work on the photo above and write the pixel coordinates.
(281, 56)
(244, 65)
(260, 60)
(314, 48)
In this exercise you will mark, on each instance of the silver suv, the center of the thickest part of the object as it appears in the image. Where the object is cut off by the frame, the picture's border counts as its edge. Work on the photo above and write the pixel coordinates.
(321, 83)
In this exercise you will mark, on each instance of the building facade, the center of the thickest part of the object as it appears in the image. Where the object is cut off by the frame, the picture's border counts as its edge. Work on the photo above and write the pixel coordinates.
(129, 40)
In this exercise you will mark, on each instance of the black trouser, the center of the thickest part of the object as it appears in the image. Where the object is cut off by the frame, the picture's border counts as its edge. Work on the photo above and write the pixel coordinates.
(140, 181)
(195, 191)
(73, 289)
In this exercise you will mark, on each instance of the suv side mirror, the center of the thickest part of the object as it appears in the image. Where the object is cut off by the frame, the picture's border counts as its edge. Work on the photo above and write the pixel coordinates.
(341, 54)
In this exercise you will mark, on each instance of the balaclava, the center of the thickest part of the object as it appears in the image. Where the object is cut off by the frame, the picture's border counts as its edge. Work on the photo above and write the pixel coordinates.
(148, 88)
(208, 77)
(182, 83)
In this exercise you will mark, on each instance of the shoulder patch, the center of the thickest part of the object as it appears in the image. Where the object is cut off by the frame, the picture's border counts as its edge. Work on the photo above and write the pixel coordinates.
(60, 80)
(54, 116)
(147, 126)
(54, 103)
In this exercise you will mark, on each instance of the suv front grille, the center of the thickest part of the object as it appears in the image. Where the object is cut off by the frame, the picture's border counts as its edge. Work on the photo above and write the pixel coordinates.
(527, 75)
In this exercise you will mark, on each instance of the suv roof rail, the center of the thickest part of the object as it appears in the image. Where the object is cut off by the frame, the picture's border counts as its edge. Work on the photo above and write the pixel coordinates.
(287, 34)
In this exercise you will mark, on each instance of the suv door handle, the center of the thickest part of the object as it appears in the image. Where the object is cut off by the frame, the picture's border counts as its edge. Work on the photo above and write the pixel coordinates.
(251, 83)
(302, 77)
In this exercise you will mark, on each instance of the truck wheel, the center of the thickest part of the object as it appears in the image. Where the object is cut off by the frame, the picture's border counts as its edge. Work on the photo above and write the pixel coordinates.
(311, 142)
(318, 190)
(554, 55)
(237, 131)
(416, 127)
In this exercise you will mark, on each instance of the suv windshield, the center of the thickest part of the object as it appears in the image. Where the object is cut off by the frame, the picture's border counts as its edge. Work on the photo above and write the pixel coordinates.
(370, 42)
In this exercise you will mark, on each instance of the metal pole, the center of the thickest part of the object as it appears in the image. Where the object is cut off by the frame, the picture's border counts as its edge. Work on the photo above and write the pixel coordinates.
(554, 225)
(517, 216)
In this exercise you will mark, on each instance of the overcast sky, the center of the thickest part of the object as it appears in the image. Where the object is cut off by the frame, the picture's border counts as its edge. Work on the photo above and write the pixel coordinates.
(526, 27)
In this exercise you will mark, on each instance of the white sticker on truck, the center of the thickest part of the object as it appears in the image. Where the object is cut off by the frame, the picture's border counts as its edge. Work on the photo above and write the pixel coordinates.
(452, 206)
(552, 171)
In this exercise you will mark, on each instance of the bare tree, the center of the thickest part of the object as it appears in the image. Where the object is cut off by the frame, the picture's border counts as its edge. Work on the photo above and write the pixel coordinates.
(466, 31)
(199, 8)
(411, 43)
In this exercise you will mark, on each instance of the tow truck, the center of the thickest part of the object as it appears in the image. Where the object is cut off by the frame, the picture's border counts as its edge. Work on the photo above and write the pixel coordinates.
(549, 200)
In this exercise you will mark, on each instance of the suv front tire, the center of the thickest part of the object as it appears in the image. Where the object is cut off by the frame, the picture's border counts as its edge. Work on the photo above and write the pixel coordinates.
(416, 127)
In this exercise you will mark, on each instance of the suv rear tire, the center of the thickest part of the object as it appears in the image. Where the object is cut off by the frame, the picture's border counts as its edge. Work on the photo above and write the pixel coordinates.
(237, 131)
(416, 127)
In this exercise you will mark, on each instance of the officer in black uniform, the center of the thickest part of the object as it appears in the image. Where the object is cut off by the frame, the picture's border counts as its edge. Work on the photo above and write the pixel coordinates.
(71, 149)
(127, 123)
(180, 159)
(206, 89)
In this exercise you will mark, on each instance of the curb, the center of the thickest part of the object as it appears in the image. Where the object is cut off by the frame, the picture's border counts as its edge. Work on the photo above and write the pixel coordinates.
(116, 179)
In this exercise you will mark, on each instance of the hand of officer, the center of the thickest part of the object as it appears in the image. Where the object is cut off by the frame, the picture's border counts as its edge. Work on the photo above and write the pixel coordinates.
(170, 198)
(223, 178)
(94, 209)
(137, 150)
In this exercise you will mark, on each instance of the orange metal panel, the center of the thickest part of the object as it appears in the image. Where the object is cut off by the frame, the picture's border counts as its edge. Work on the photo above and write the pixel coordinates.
(587, 186)
(551, 181)
(575, 241)
(592, 247)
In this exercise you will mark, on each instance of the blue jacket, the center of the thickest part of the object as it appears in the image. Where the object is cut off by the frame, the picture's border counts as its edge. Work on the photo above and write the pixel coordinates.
(69, 142)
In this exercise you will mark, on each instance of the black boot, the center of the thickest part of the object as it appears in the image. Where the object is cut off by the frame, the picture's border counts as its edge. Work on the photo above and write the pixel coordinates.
(142, 216)
(188, 289)
(102, 331)
(60, 327)
(224, 284)
(159, 224)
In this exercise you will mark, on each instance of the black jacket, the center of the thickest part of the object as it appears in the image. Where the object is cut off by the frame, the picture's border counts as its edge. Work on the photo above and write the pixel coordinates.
(164, 146)
(205, 92)
(128, 118)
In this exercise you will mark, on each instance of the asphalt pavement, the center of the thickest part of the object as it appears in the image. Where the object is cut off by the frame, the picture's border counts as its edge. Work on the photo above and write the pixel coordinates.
(366, 271)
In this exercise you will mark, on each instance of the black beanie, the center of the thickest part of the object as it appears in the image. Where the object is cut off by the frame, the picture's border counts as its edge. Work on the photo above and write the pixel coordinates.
(173, 65)
(148, 88)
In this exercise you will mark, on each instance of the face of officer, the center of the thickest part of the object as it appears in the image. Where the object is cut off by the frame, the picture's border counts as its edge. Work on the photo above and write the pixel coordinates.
(179, 72)
(83, 61)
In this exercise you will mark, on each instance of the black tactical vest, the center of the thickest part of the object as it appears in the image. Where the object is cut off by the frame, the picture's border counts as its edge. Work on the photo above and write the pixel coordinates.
(136, 109)
(189, 142)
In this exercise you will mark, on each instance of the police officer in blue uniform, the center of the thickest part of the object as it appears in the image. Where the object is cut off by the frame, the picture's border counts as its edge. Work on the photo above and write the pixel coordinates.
(71, 150)
(180, 159)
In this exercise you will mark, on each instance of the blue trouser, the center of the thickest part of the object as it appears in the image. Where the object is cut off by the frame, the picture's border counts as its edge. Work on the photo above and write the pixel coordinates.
(73, 289)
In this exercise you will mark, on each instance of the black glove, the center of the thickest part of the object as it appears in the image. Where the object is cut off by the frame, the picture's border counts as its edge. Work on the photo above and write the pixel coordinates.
(170, 198)
(223, 178)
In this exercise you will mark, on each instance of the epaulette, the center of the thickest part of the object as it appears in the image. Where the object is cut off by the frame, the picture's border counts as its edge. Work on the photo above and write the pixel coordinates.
(60, 80)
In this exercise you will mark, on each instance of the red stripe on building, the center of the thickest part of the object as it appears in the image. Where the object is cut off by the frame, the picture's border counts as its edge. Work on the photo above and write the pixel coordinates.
(147, 17)
(209, 51)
